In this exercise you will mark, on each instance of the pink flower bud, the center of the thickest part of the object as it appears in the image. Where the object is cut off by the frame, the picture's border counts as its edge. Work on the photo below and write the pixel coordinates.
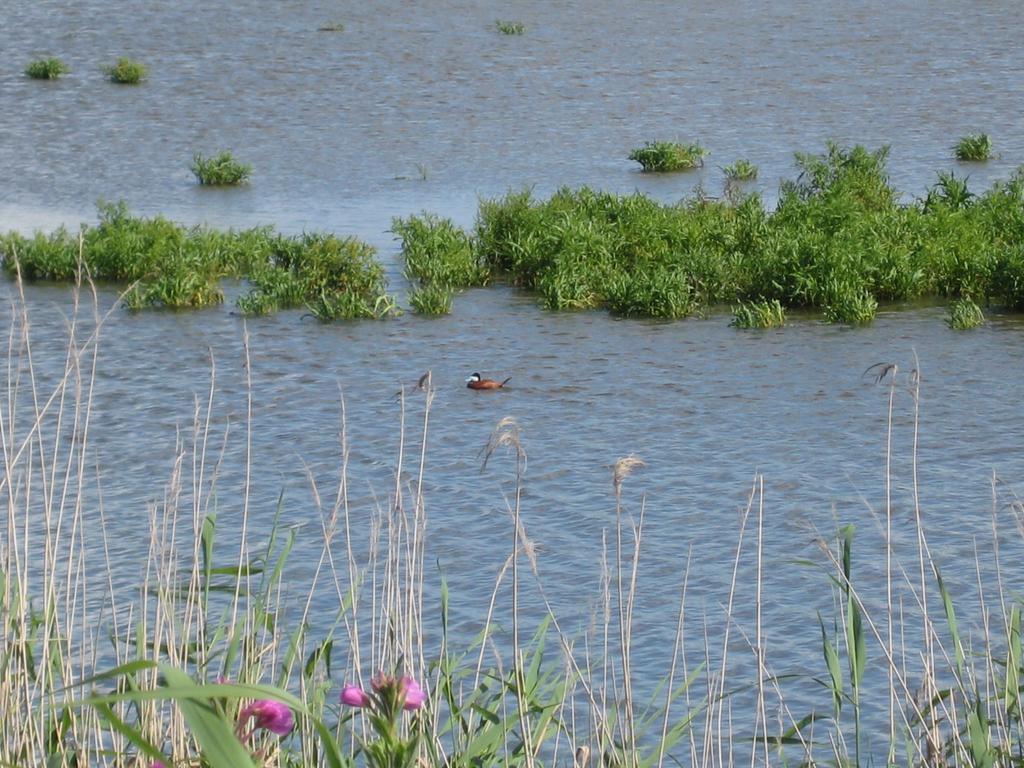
(381, 682)
(272, 715)
(354, 696)
(415, 696)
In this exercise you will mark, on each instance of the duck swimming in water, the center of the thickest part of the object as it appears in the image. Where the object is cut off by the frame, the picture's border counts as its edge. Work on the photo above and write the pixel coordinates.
(475, 382)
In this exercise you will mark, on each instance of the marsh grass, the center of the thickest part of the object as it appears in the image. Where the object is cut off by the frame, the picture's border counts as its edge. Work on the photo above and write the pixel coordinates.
(438, 252)
(741, 170)
(509, 27)
(976, 147)
(839, 241)
(666, 156)
(851, 307)
(431, 299)
(46, 69)
(441, 258)
(964, 314)
(220, 170)
(759, 314)
(125, 71)
(97, 673)
(167, 265)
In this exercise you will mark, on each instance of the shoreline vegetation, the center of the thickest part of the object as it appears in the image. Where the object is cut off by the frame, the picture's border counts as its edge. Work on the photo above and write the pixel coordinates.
(217, 661)
(839, 241)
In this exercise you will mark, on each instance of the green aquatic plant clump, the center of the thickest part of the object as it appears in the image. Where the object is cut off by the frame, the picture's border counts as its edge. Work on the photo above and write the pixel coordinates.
(759, 314)
(741, 170)
(431, 299)
(334, 26)
(438, 252)
(171, 266)
(976, 147)
(666, 156)
(441, 258)
(220, 170)
(509, 27)
(333, 278)
(46, 69)
(838, 240)
(125, 71)
(965, 314)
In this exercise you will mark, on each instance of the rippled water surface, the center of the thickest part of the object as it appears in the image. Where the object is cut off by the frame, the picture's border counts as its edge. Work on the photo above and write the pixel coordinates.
(428, 107)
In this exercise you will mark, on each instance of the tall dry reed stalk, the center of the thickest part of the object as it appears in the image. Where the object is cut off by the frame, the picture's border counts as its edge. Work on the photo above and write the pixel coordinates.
(70, 628)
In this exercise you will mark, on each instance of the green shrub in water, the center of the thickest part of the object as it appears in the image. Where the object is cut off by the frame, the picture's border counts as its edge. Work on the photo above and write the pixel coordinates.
(46, 69)
(220, 170)
(759, 314)
(509, 27)
(975, 147)
(334, 26)
(431, 299)
(741, 170)
(126, 72)
(964, 314)
(665, 156)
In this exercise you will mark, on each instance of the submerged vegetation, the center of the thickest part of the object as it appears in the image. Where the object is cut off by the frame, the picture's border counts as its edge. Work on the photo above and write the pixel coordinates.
(46, 69)
(665, 156)
(333, 26)
(509, 27)
(975, 147)
(126, 72)
(172, 266)
(220, 170)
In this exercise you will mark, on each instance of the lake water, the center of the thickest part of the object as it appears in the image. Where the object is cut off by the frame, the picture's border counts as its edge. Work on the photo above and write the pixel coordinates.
(429, 108)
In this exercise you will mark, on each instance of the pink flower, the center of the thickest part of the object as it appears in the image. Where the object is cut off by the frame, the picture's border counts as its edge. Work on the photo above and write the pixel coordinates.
(415, 696)
(158, 764)
(354, 696)
(272, 715)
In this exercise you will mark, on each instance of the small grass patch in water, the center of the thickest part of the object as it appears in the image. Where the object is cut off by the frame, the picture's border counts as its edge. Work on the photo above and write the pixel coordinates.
(334, 278)
(741, 170)
(964, 314)
(126, 72)
(431, 299)
(667, 156)
(46, 69)
(220, 170)
(436, 252)
(976, 147)
(851, 307)
(509, 27)
(334, 26)
(759, 314)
